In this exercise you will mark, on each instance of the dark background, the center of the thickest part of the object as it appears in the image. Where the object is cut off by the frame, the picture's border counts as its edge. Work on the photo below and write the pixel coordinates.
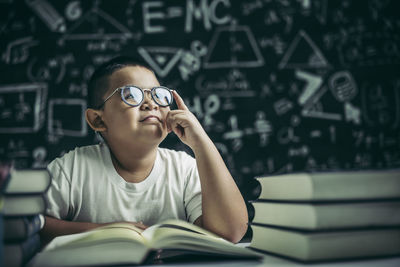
(280, 86)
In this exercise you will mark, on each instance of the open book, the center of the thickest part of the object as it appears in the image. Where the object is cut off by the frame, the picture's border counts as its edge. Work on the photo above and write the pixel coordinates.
(123, 243)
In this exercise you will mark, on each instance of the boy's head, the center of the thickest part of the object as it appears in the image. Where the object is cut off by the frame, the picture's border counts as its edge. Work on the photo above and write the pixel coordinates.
(110, 111)
(98, 84)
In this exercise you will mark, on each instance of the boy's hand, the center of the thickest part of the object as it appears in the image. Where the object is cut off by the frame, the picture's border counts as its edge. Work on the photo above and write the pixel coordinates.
(184, 124)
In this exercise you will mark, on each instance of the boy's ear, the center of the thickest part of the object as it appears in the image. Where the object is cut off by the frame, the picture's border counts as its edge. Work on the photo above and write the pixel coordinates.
(93, 118)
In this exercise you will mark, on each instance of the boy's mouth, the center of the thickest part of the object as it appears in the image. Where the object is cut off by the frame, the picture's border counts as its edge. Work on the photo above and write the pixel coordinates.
(150, 118)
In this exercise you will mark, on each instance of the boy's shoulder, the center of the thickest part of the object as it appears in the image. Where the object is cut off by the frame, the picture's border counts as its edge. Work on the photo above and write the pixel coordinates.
(82, 152)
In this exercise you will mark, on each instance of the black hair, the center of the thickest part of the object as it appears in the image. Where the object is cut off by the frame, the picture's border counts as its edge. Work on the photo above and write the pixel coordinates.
(98, 86)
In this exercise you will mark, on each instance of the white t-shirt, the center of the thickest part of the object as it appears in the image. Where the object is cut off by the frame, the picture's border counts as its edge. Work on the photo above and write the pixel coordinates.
(87, 188)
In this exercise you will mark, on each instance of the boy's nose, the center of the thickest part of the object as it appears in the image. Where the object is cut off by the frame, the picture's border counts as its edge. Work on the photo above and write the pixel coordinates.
(148, 102)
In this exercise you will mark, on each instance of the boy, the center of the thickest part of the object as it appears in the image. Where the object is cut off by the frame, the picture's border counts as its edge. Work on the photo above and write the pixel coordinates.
(129, 178)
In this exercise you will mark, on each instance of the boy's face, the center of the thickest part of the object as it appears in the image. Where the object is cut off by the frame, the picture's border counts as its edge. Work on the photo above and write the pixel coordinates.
(144, 124)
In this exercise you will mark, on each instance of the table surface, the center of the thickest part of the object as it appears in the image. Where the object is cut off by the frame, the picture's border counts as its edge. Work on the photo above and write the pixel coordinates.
(270, 261)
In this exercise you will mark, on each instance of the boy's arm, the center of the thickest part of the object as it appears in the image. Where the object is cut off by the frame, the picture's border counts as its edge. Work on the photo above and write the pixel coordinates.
(223, 208)
(55, 227)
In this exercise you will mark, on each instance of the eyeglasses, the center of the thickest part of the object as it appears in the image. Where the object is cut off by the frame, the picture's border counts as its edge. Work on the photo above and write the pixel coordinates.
(134, 96)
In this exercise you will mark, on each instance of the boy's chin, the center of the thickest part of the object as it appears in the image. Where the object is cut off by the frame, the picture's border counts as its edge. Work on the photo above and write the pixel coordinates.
(156, 135)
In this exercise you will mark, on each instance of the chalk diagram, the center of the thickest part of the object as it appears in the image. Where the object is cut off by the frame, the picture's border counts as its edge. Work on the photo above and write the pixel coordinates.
(94, 25)
(233, 46)
(370, 49)
(320, 9)
(66, 117)
(381, 104)
(161, 59)
(303, 54)
(311, 95)
(22, 107)
(18, 51)
(41, 69)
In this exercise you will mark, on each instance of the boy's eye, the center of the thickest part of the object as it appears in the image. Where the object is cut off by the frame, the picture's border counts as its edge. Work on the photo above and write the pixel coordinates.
(127, 94)
(133, 95)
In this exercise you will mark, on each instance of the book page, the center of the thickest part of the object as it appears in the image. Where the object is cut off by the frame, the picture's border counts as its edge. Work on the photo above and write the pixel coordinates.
(178, 224)
(181, 235)
(108, 233)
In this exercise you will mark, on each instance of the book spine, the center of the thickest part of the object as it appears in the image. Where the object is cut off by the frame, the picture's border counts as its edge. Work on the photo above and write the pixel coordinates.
(8, 211)
(1, 235)
(5, 175)
(30, 247)
(19, 182)
(27, 250)
(20, 228)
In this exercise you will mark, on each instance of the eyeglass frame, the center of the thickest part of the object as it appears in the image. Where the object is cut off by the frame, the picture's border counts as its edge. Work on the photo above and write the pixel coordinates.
(143, 92)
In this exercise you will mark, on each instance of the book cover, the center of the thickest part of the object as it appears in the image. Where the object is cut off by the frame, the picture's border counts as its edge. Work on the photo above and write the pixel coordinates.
(19, 253)
(21, 227)
(28, 181)
(331, 186)
(327, 215)
(311, 246)
(21, 205)
(5, 170)
(123, 243)
(1, 232)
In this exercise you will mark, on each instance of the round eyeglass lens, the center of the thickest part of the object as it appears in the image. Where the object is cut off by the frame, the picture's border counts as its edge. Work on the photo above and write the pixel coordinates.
(162, 96)
(132, 95)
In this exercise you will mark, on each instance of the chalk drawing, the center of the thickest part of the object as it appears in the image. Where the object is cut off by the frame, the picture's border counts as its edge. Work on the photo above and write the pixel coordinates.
(73, 11)
(96, 24)
(303, 53)
(343, 86)
(60, 121)
(381, 104)
(22, 107)
(18, 51)
(352, 113)
(310, 96)
(48, 14)
(233, 46)
(161, 59)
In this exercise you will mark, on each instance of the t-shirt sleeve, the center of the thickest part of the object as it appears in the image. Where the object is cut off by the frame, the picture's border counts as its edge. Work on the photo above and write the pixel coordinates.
(192, 194)
(58, 194)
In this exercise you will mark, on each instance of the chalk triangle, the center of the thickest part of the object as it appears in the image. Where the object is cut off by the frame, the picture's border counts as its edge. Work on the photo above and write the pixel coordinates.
(303, 53)
(161, 59)
(96, 24)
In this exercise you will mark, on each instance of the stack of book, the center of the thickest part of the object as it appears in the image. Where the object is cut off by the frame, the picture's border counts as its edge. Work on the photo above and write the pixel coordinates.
(5, 168)
(23, 205)
(328, 216)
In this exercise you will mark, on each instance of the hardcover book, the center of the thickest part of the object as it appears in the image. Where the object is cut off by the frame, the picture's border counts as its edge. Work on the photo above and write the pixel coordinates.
(20, 205)
(21, 227)
(331, 186)
(29, 181)
(18, 253)
(327, 215)
(311, 246)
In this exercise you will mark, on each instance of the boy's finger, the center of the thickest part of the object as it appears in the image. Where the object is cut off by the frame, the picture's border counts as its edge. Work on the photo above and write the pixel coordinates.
(179, 101)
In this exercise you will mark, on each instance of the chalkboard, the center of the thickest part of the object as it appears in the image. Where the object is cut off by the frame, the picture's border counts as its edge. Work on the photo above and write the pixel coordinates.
(280, 86)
